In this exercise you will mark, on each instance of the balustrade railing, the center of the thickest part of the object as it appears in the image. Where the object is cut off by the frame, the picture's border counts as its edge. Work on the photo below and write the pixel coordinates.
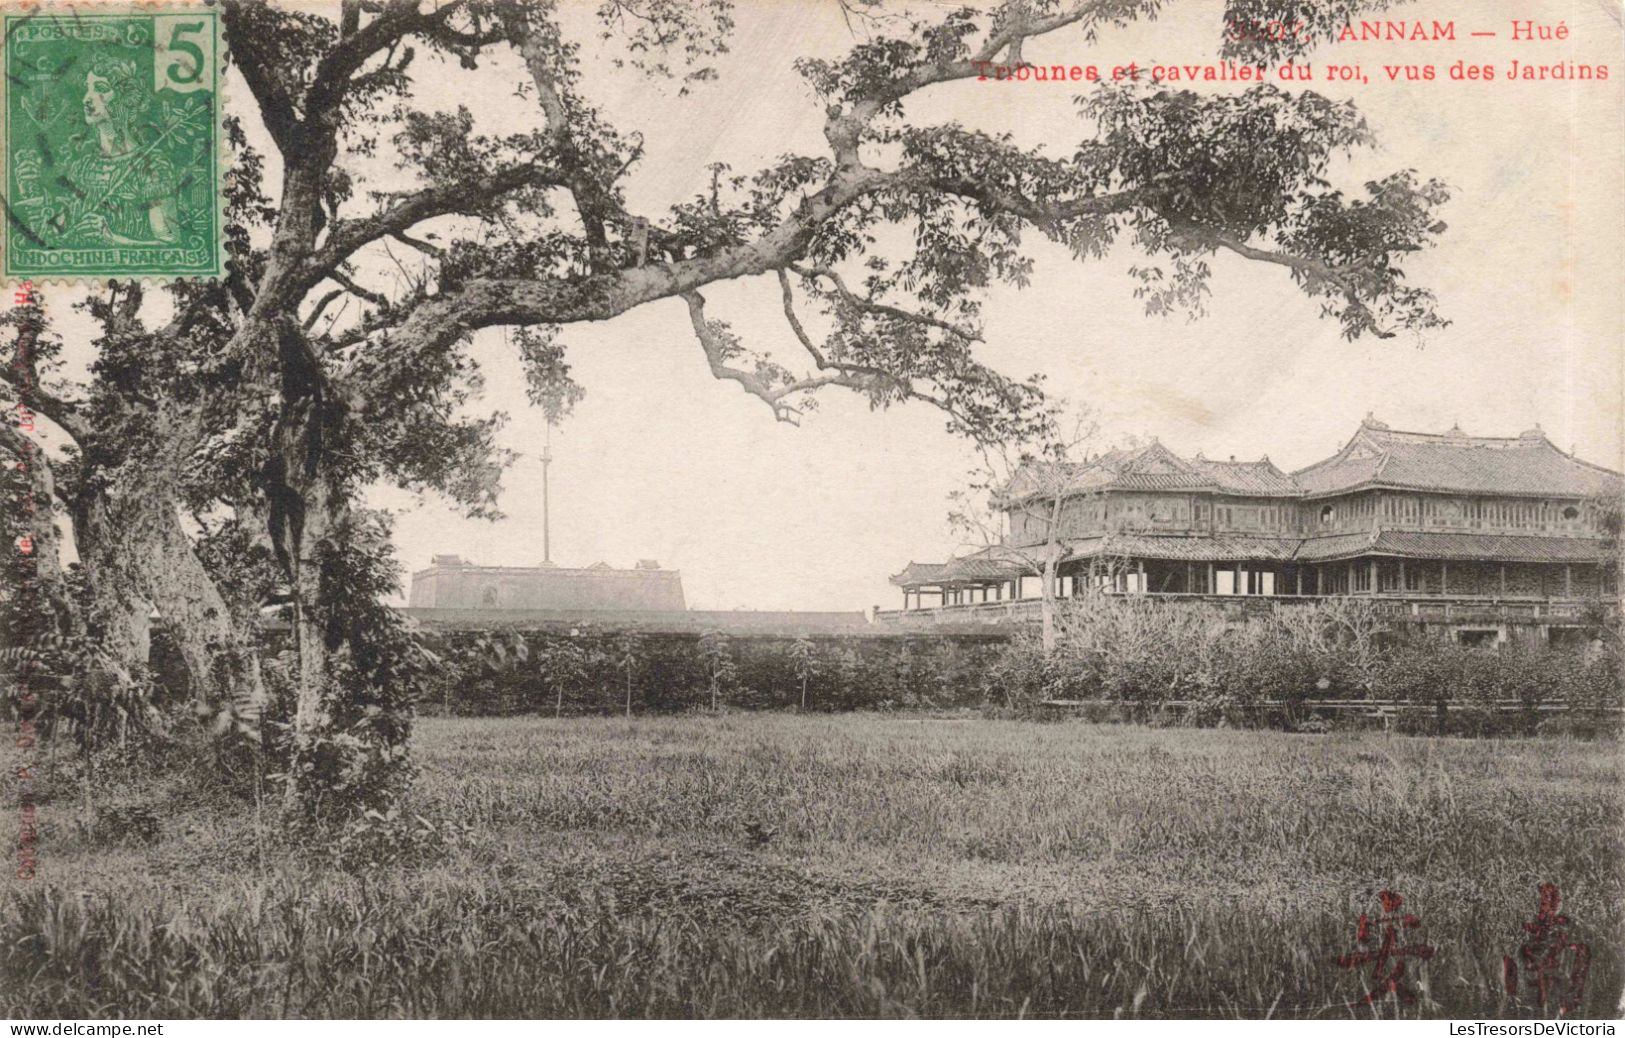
(1422, 608)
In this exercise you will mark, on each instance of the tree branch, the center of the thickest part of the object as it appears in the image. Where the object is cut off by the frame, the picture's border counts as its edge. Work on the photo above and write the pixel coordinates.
(1342, 278)
(427, 248)
(718, 350)
(356, 290)
(845, 127)
(321, 304)
(870, 306)
(818, 356)
(472, 197)
(865, 376)
(256, 65)
(593, 201)
(23, 378)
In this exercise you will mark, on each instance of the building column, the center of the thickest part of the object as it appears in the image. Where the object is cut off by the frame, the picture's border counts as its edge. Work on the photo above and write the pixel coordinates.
(1568, 581)
(1190, 577)
(1374, 571)
(1212, 584)
(1297, 572)
(1402, 588)
(1140, 565)
(1351, 577)
(1503, 574)
(1444, 576)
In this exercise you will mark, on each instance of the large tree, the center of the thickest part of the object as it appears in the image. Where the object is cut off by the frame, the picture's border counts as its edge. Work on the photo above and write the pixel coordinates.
(276, 413)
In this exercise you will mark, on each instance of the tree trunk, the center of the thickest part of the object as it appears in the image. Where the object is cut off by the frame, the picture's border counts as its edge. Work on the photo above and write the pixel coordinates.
(117, 612)
(803, 693)
(304, 510)
(310, 712)
(217, 648)
(629, 692)
(136, 559)
(1047, 599)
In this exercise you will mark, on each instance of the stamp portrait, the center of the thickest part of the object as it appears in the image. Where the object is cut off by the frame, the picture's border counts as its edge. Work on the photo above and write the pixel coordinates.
(112, 165)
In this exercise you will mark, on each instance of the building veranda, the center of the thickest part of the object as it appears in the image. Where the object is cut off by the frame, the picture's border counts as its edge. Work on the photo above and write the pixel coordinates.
(1490, 537)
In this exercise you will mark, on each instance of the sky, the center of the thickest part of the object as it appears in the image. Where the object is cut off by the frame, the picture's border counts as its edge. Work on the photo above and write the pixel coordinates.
(661, 461)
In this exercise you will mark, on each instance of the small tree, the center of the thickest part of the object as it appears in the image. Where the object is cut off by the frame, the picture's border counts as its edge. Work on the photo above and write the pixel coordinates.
(804, 656)
(1028, 483)
(629, 658)
(848, 672)
(720, 669)
(563, 663)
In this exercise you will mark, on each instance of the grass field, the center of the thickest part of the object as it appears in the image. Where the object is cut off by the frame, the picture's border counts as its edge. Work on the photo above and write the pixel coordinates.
(851, 865)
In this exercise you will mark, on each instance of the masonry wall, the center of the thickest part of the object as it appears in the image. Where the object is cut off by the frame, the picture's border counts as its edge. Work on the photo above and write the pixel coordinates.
(506, 588)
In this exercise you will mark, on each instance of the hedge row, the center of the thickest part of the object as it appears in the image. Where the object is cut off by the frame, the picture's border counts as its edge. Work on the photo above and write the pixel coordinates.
(515, 672)
(1154, 660)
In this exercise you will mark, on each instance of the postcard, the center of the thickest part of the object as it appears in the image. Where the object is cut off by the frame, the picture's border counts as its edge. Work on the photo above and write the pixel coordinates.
(658, 510)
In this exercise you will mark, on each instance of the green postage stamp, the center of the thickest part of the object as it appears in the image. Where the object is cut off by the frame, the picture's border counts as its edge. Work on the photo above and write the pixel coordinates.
(112, 157)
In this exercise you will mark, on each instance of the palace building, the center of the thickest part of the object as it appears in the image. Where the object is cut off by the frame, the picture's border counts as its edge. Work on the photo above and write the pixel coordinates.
(1446, 527)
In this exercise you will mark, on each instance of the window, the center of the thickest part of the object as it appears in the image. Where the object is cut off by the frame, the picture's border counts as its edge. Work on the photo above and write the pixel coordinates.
(1327, 514)
(1571, 513)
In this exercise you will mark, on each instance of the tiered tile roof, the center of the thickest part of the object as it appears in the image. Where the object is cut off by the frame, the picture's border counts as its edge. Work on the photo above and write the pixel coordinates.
(1525, 465)
(1528, 464)
(1155, 467)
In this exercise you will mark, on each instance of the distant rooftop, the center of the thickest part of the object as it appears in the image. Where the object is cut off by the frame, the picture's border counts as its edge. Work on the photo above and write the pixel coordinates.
(452, 582)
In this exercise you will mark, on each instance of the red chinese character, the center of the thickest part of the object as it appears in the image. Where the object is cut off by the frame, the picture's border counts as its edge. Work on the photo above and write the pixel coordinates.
(1388, 959)
(1542, 956)
(25, 544)
(24, 295)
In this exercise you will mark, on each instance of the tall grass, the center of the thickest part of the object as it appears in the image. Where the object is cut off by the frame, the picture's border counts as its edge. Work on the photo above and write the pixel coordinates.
(851, 866)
